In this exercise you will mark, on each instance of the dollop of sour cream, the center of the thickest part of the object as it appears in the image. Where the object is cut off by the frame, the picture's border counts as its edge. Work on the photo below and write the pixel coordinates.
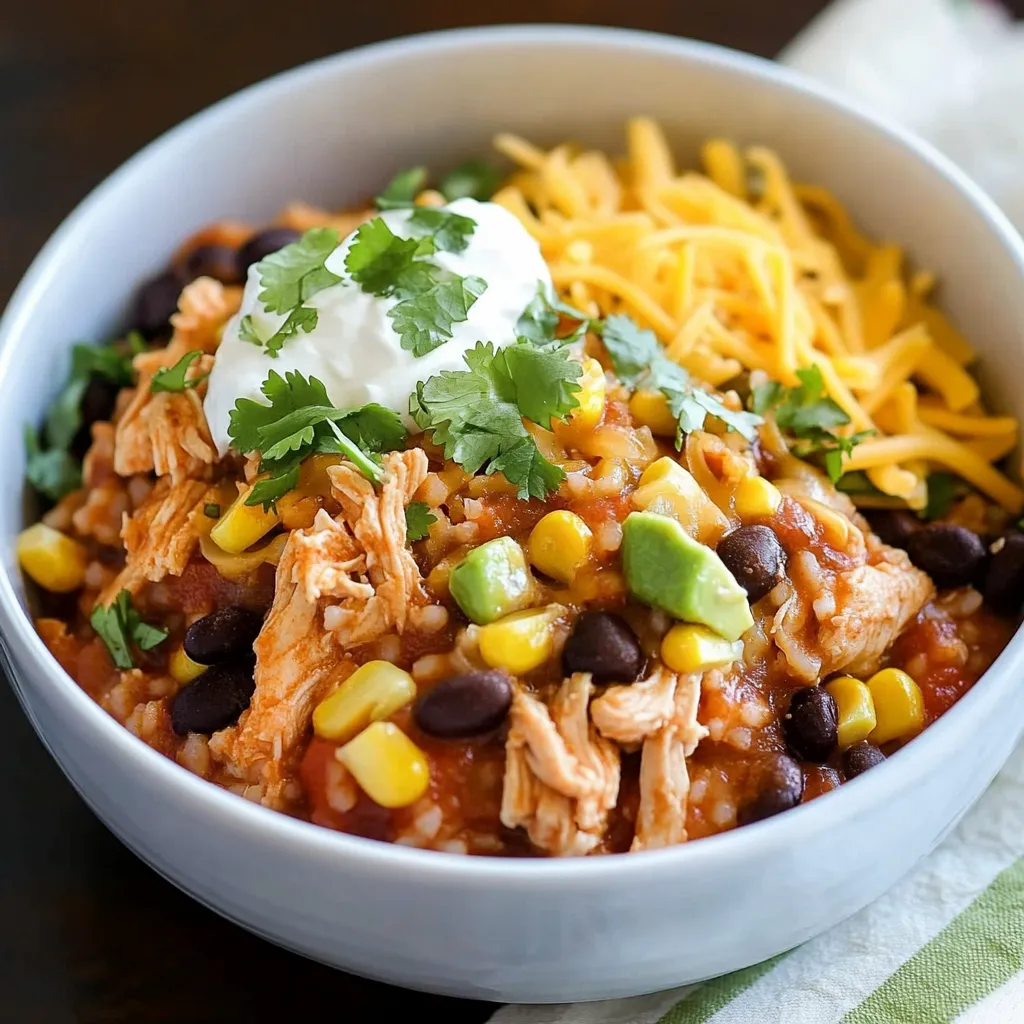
(354, 349)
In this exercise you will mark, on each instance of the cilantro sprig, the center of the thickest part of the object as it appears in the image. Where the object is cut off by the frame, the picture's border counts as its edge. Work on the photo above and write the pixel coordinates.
(539, 321)
(289, 278)
(431, 299)
(418, 520)
(477, 414)
(120, 627)
(174, 378)
(300, 421)
(639, 360)
(810, 416)
(474, 179)
(51, 466)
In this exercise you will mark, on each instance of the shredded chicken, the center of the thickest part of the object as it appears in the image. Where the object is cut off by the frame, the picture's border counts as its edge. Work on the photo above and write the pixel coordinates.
(874, 605)
(664, 779)
(296, 664)
(167, 432)
(377, 524)
(561, 776)
(161, 535)
(629, 714)
(326, 559)
(830, 620)
(102, 513)
(98, 464)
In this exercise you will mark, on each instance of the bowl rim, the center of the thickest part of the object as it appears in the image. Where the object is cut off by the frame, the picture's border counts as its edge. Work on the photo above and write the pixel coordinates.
(757, 840)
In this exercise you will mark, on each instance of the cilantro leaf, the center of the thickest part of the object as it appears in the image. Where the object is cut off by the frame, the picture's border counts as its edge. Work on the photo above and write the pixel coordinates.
(809, 416)
(524, 466)
(943, 490)
(451, 232)
(544, 382)
(64, 417)
(296, 273)
(172, 378)
(52, 473)
(51, 468)
(211, 510)
(374, 428)
(418, 520)
(477, 414)
(284, 477)
(632, 351)
(639, 360)
(107, 361)
(302, 318)
(474, 179)
(539, 322)
(300, 421)
(424, 322)
(402, 189)
(120, 626)
(285, 395)
(378, 259)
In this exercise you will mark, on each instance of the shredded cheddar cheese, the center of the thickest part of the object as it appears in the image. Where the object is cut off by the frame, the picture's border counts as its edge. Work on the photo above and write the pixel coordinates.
(738, 268)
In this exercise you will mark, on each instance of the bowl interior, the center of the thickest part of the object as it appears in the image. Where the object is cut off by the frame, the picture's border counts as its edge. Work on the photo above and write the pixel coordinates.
(334, 132)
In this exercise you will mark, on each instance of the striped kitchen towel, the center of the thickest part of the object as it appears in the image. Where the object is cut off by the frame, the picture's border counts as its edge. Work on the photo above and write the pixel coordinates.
(947, 943)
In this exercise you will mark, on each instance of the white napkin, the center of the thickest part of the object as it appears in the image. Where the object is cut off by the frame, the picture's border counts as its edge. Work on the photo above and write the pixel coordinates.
(947, 943)
(951, 71)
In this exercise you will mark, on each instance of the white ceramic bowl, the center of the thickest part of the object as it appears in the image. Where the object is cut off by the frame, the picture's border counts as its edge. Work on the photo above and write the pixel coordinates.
(515, 930)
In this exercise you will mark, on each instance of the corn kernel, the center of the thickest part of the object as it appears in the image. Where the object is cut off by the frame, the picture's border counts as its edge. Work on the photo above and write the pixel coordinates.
(559, 545)
(242, 525)
(297, 511)
(650, 409)
(373, 692)
(668, 489)
(313, 479)
(756, 498)
(590, 396)
(899, 705)
(391, 770)
(55, 561)
(182, 668)
(690, 648)
(519, 642)
(856, 709)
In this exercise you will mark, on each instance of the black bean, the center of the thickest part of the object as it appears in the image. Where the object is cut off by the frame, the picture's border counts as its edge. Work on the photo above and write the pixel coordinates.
(156, 301)
(213, 700)
(216, 261)
(263, 244)
(1004, 579)
(465, 705)
(952, 555)
(221, 635)
(755, 557)
(97, 403)
(860, 757)
(780, 787)
(811, 725)
(604, 645)
(893, 526)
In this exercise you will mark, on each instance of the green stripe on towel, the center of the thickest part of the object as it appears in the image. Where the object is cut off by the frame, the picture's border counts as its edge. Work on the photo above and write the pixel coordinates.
(972, 956)
(704, 1002)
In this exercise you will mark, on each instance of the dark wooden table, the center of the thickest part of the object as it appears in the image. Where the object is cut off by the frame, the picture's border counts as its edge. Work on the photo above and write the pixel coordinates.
(87, 932)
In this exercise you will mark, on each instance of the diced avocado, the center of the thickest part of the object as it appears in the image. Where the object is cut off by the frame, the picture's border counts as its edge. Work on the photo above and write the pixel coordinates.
(491, 581)
(666, 568)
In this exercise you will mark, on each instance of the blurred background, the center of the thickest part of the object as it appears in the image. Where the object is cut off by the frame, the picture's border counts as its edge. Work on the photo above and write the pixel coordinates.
(88, 933)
